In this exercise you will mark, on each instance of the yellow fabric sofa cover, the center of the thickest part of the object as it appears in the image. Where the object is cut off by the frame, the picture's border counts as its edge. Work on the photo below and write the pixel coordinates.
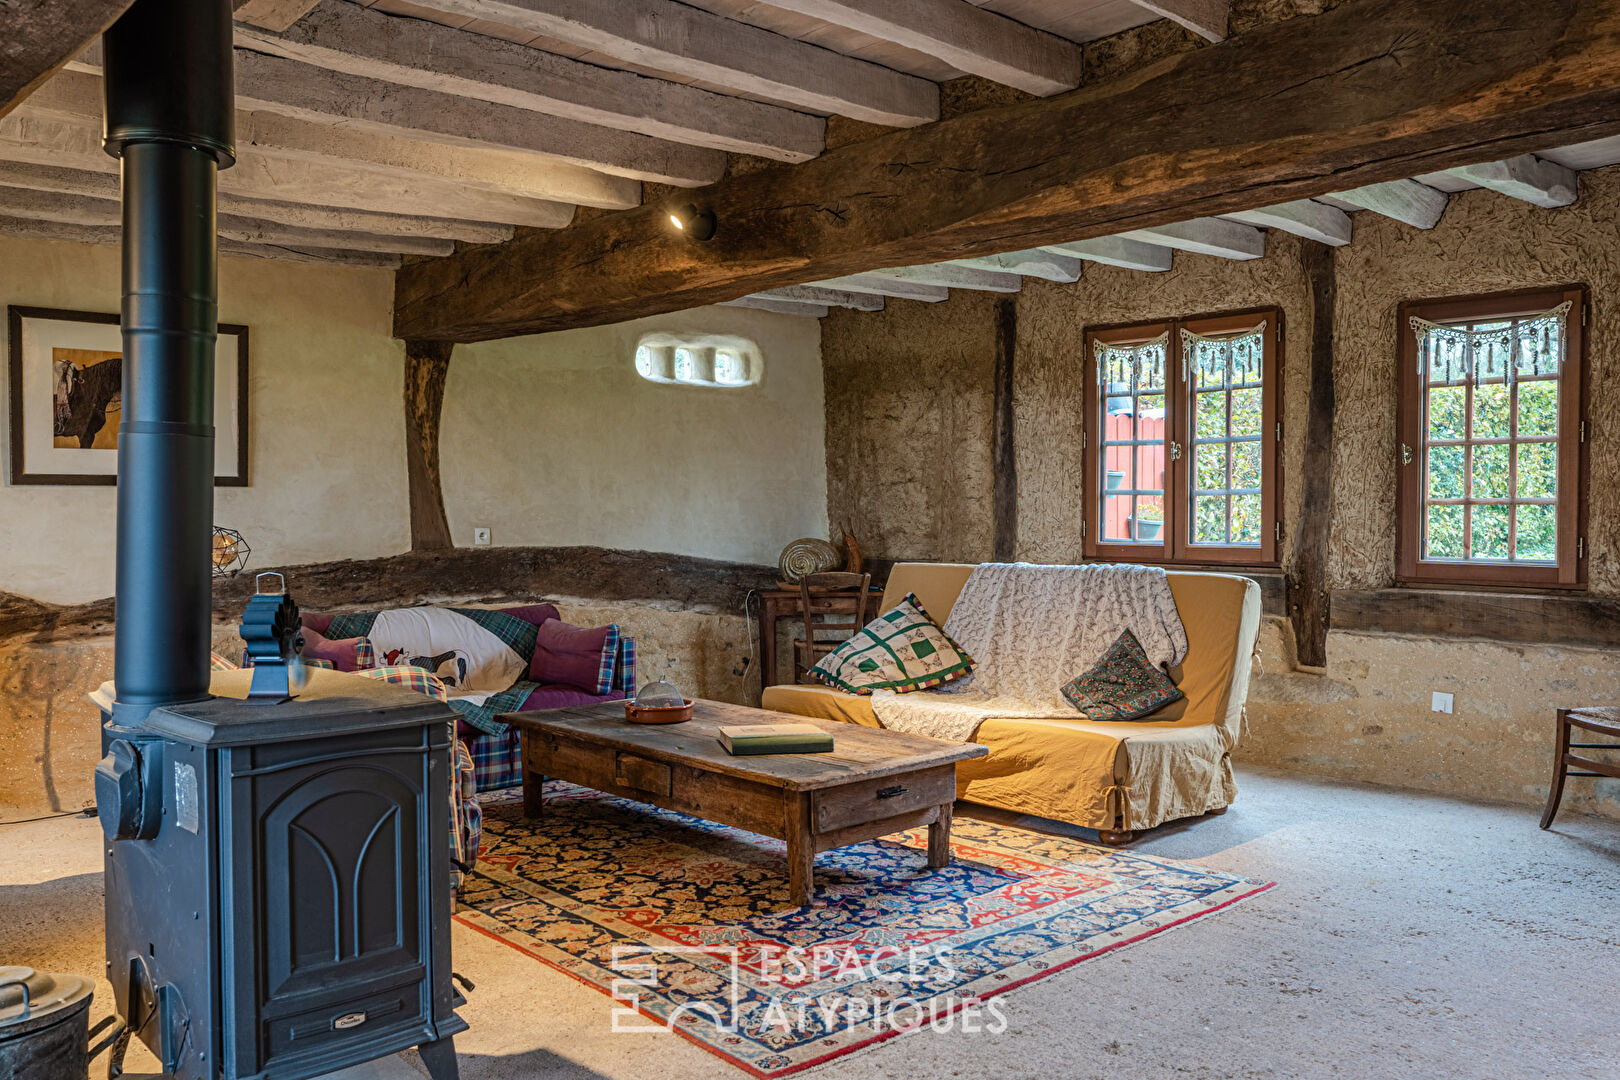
(1111, 776)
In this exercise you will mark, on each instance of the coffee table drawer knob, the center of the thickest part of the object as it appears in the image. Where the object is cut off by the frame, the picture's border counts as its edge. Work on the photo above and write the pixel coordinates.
(891, 791)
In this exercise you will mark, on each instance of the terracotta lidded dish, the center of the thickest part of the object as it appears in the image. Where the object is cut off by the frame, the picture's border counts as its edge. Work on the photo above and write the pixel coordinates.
(658, 703)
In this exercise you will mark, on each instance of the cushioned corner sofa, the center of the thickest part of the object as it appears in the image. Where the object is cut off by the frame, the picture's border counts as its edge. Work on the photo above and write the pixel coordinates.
(1115, 777)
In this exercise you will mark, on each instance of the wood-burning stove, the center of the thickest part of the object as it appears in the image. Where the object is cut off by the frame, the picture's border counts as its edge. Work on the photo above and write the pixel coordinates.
(278, 892)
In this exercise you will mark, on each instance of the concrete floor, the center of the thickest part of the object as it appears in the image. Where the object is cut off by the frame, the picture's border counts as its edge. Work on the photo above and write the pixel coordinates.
(1409, 936)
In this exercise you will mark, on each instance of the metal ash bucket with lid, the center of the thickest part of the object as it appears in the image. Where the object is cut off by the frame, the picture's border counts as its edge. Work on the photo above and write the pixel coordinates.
(44, 1025)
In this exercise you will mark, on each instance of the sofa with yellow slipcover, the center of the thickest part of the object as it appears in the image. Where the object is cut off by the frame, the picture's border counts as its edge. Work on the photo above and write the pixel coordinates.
(1115, 777)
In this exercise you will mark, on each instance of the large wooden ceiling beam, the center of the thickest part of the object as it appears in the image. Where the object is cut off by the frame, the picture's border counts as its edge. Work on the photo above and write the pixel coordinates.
(38, 36)
(696, 44)
(966, 37)
(76, 96)
(1371, 91)
(345, 37)
(1206, 18)
(42, 141)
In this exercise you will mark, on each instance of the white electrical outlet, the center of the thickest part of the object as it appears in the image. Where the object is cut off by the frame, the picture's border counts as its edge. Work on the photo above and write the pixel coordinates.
(1440, 702)
(481, 536)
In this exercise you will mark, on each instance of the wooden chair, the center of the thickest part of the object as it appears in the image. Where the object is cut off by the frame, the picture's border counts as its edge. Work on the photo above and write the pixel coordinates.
(829, 596)
(1604, 720)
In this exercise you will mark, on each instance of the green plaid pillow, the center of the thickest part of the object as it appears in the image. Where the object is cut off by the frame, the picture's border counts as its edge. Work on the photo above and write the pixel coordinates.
(900, 650)
(1123, 685)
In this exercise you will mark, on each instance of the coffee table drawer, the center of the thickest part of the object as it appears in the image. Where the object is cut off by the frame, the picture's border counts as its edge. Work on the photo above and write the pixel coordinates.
(642, 774)
(889, 796)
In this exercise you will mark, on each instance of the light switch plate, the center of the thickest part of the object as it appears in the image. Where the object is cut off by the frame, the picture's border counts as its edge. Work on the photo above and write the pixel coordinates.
(481, 536)
(1441, 702)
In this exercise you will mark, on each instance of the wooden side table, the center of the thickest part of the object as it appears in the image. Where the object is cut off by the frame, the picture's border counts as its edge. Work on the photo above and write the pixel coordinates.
(775, 604)
(1604, 720)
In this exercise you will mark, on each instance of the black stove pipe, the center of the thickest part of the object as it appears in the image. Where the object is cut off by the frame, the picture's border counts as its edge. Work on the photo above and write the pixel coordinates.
(170, 116)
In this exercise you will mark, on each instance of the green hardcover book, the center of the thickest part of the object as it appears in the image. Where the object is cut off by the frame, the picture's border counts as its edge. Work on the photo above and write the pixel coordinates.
(752, 739)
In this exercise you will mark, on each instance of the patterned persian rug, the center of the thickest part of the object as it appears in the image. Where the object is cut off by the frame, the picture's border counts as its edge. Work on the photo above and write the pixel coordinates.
(685, 923)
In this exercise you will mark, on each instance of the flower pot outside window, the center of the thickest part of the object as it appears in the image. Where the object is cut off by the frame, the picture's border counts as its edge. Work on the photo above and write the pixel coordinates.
(1144, 529)
(1116, 479)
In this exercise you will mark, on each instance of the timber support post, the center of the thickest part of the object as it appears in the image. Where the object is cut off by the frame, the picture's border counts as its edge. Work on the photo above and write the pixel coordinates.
(1004, 452)
(1309, 601)
(427, 364)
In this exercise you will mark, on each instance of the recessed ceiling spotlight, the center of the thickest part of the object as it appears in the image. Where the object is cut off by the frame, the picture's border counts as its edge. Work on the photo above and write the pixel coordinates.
(698, 224)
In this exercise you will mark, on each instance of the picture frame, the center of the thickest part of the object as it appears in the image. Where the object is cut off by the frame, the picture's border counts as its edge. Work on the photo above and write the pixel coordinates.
(63, 403)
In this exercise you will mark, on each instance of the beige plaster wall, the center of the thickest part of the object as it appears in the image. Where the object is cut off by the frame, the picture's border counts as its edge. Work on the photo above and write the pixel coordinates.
(327, 449)
(908, 429)
(556, 440)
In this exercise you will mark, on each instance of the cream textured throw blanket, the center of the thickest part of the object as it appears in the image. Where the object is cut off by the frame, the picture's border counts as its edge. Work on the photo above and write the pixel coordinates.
(1030, 629)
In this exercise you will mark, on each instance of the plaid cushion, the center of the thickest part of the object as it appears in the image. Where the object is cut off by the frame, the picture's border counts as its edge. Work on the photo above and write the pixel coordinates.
(900, 650)
(327, 664)
(626, 679)
(609, 662)
(497, 760)
(413, 678)
(1123, 685)
(466, 814)
(365, 655)
(217, 662)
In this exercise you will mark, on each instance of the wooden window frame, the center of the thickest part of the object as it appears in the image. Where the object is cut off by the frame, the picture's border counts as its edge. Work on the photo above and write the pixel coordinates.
(1175, 548)
(1573, 465)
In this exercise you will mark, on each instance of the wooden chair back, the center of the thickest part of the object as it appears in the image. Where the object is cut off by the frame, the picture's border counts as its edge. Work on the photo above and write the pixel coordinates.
(840, 600)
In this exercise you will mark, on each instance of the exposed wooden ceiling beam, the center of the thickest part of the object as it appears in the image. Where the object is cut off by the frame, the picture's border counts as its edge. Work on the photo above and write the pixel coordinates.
(1040, 263)
(76, 96)
(415, 52)
(1205, 236)
(1533, 179)
(1418, 205)
(271, 14)
(966, 37)
(83, 210)
(1118, 251)
(696, 44)
(1305, 217)
(879, 286)
(952, 277)
(780, 307)
(104, 185)
(1206, 18)
(1370, 91)
(39, 36)
(42, 141)
(810, 294)
(110, 234)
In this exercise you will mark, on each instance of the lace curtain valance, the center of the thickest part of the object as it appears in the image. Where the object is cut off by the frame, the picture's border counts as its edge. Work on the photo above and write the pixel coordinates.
(1506, 350)
(1224, 359)
(1132, 365)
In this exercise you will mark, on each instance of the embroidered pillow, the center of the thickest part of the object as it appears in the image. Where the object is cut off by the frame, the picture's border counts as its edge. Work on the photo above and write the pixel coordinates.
(900, 650)
(1123, 685)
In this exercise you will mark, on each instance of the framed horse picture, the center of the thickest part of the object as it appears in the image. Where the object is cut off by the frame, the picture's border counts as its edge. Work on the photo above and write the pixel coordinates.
(66, 392)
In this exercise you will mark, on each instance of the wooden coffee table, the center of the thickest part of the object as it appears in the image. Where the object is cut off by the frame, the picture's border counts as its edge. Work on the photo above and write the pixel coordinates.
(873, 782)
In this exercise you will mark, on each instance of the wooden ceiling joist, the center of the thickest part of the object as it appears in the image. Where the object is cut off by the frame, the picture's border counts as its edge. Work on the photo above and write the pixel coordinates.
(1205, 236)
(110, 234)
(695, 44)
(883, 286)
(950, 276)
(779, 307)
(1118, 251)
(1370, 91)
(1048, 265)
(1418, 205)
(415, 52)
(271, 14)
(810, 294)
(41, 141)
(968, 38)
(75, 96)
(1305, 217)
(1206, 18)
(39, 36)
(83, 210)
(1528, 177)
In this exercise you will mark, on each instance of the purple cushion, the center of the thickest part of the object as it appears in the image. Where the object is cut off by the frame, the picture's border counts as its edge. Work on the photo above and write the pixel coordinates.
(315, 620)
(532, 613)
(562, 697)
(344, 654)
(571, 655)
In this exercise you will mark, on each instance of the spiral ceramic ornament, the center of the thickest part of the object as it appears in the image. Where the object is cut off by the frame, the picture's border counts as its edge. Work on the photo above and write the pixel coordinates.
(809, 555)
